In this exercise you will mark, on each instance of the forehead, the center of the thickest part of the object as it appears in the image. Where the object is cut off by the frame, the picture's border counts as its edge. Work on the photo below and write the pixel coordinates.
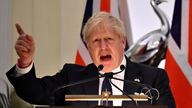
(103, 34)
(103, 28)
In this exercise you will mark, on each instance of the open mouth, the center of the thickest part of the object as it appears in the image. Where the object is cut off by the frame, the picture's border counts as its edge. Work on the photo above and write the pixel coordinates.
(105, 58)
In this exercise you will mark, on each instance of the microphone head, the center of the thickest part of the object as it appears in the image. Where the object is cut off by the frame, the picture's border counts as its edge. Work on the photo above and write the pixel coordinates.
(100, 67)
(122, 67)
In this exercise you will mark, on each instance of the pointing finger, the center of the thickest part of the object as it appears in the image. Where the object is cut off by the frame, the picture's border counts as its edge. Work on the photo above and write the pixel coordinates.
(19, 29)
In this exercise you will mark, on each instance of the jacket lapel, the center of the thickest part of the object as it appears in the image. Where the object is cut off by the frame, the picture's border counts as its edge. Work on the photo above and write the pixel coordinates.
(132, 74)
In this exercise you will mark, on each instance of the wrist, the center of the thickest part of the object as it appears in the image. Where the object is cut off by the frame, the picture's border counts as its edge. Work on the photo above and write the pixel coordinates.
(22, 64)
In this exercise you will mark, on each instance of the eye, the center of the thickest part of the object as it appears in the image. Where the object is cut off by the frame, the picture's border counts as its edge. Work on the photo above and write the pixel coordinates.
(95, 40)
(109, 40)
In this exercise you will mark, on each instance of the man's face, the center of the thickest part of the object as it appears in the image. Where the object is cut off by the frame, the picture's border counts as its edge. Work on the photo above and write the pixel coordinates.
(106, 48)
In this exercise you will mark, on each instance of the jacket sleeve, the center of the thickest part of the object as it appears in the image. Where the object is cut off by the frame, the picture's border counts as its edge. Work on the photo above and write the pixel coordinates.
(36, 90)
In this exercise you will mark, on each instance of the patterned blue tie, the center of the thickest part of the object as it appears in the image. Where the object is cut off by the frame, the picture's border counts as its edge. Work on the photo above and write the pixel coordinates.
(106, 86)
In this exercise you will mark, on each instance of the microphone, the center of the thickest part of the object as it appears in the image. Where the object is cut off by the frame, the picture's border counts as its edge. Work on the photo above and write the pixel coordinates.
(99, 68)
(110, 74)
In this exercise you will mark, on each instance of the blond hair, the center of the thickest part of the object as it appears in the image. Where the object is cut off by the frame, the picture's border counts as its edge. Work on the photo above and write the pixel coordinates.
(103, 18)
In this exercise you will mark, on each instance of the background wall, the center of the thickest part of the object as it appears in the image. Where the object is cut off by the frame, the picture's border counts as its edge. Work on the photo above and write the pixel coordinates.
(5, 41)
(55, 26)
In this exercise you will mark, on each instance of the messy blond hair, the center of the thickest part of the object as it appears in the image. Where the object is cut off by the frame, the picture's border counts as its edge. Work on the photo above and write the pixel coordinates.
(103, 18)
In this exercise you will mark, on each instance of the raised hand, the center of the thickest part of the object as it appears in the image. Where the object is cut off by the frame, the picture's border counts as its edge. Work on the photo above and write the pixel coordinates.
(25, 48)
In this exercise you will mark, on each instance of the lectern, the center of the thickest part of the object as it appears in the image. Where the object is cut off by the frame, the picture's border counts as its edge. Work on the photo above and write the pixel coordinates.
(105, 97)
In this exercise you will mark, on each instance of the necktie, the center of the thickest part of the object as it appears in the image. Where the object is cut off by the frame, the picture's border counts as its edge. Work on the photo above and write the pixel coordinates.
(106, 86)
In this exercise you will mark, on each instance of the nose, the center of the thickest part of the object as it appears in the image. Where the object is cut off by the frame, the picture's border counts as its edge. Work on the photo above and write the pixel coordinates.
(103, 44)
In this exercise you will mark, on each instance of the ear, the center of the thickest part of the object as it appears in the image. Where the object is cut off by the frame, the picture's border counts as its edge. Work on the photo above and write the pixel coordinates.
(124, 41)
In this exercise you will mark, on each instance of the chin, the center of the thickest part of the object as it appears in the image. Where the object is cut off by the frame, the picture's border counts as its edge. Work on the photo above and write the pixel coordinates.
(107, 70)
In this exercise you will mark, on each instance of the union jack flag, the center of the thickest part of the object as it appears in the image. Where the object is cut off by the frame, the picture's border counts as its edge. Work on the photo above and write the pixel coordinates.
(179, 54)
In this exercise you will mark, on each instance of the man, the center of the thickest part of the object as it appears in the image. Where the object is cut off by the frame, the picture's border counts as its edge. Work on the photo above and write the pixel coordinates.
(104, 36)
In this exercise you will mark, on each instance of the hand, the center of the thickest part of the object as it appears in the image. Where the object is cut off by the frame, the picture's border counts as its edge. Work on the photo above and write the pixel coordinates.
(25, 48)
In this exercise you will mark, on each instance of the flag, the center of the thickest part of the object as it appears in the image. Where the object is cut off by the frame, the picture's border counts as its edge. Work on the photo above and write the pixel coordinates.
(179, 54)
(114, 7)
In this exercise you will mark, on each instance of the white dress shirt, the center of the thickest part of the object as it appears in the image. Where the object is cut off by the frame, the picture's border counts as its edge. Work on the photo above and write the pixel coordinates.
(118, 83)
(21, 71)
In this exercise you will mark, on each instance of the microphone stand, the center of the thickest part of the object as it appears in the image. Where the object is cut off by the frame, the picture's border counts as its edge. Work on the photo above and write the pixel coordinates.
(99, 68)
(135, 102)
(79, 82)
(110, 76)
(145, 86)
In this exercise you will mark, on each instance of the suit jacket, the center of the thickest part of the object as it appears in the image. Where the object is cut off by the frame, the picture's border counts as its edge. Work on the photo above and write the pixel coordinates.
(45, 90)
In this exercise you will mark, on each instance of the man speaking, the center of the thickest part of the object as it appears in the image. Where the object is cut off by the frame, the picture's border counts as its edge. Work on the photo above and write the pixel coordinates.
(105, 38)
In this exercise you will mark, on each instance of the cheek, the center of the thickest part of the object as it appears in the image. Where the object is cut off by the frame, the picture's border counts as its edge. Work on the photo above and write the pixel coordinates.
(92, 52)
(119, 50)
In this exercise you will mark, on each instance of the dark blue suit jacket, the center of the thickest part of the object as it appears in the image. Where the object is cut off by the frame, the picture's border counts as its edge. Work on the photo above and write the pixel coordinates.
(42, 90)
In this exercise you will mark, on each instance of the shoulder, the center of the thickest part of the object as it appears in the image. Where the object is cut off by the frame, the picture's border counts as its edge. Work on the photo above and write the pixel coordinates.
(78, 68)
(143, 67)
(147, 71)
(148, 68)
(72, 66)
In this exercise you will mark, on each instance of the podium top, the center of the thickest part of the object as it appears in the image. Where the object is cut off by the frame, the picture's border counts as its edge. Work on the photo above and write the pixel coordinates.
(110, 98)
